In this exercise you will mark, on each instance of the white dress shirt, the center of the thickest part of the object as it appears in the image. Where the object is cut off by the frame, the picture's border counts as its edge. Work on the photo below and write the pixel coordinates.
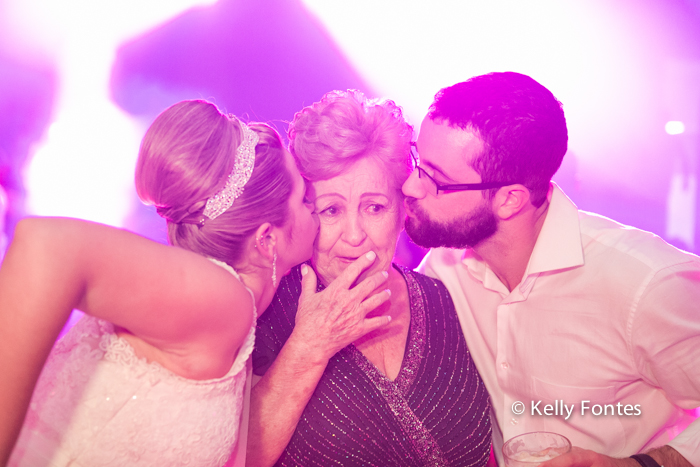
(606, 314)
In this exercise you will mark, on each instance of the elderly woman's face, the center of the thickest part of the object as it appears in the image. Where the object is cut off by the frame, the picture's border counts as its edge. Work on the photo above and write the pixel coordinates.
(359, 211)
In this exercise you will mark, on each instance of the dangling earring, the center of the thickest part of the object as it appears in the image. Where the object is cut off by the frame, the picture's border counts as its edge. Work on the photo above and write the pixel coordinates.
(274, 269)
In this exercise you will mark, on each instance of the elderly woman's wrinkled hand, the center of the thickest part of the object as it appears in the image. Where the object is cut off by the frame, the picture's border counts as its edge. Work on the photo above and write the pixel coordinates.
(331, 319)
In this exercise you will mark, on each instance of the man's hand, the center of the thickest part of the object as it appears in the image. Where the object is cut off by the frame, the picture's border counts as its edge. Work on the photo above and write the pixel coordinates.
(665, 456)
(585, 458)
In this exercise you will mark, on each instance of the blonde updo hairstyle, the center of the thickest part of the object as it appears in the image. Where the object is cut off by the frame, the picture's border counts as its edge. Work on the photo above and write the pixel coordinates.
(186, 157)
(328, 137)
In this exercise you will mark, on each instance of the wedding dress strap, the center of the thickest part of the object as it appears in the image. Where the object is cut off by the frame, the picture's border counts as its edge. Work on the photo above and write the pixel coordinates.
(237, 276)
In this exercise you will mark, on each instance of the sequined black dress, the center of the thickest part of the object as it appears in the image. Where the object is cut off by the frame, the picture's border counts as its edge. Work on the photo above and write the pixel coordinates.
(436, 412)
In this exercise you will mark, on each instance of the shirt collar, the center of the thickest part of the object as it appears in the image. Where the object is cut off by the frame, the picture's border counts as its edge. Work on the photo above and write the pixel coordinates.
(558, 244)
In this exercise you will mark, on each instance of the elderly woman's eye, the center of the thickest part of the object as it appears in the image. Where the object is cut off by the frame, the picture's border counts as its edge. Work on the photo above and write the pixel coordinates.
(375, 208)
(329, 211)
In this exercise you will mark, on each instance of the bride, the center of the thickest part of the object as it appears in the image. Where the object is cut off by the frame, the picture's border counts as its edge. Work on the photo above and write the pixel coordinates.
(154, 374)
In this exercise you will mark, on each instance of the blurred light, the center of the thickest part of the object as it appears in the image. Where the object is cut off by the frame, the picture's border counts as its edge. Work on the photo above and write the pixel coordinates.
(49, 23)
(3, 211)
(414, 48)
(675, 127)
(599, 58)
(408, 50)
(84, 168)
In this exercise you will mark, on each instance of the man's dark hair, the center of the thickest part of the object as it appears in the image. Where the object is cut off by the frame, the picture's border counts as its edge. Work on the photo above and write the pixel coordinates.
(520, 122)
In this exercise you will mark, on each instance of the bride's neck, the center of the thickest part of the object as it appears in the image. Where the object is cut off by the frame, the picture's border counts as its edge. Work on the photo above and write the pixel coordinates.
(259, 281)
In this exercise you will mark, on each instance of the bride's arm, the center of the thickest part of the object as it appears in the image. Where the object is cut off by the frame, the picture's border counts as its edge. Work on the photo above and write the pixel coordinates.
(191, 314)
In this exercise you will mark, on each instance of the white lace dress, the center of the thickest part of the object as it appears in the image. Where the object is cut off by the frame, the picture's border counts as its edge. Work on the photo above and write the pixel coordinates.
(98, 404)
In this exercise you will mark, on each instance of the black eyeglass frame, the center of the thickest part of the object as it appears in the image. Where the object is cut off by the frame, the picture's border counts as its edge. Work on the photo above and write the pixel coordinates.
(458, 187)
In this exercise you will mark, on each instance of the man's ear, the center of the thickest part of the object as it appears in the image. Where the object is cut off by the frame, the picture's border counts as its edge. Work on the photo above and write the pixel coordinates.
(510, 201)
(265, 240)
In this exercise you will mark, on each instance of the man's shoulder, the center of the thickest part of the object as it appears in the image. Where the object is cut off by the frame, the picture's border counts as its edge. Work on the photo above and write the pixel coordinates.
(599, 233)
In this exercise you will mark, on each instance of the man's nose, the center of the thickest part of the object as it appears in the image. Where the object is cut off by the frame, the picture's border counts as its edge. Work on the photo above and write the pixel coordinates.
(413, 187)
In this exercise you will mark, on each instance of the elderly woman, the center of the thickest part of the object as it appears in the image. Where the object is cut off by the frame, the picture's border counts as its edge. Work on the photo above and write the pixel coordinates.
(392, 387)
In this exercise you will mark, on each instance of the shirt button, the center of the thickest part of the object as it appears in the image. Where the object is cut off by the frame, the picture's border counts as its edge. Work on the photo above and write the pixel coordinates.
(504, 365)
(513, 421)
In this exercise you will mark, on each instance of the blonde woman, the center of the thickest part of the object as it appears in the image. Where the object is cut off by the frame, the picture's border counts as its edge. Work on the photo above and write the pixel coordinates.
(154, 374)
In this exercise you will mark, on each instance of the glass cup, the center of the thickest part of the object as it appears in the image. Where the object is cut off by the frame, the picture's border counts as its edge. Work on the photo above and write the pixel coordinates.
(531, 449)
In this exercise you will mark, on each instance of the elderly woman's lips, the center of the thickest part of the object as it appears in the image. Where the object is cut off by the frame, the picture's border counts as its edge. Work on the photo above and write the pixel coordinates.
(348, 259)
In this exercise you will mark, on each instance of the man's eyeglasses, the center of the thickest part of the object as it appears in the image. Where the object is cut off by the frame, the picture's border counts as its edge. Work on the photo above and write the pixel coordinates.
(431, 182)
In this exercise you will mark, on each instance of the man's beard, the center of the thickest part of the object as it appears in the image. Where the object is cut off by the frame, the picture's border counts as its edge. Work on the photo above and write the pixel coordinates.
(464, 232)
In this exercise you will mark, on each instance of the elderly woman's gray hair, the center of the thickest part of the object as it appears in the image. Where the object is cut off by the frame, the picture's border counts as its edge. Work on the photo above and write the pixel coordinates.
(329, 136)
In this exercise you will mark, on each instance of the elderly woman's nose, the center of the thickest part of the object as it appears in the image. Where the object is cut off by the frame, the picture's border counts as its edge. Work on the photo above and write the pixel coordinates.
(353, 231)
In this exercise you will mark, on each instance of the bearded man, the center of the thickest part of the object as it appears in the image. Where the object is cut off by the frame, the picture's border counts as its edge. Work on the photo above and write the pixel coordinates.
(560, 308)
